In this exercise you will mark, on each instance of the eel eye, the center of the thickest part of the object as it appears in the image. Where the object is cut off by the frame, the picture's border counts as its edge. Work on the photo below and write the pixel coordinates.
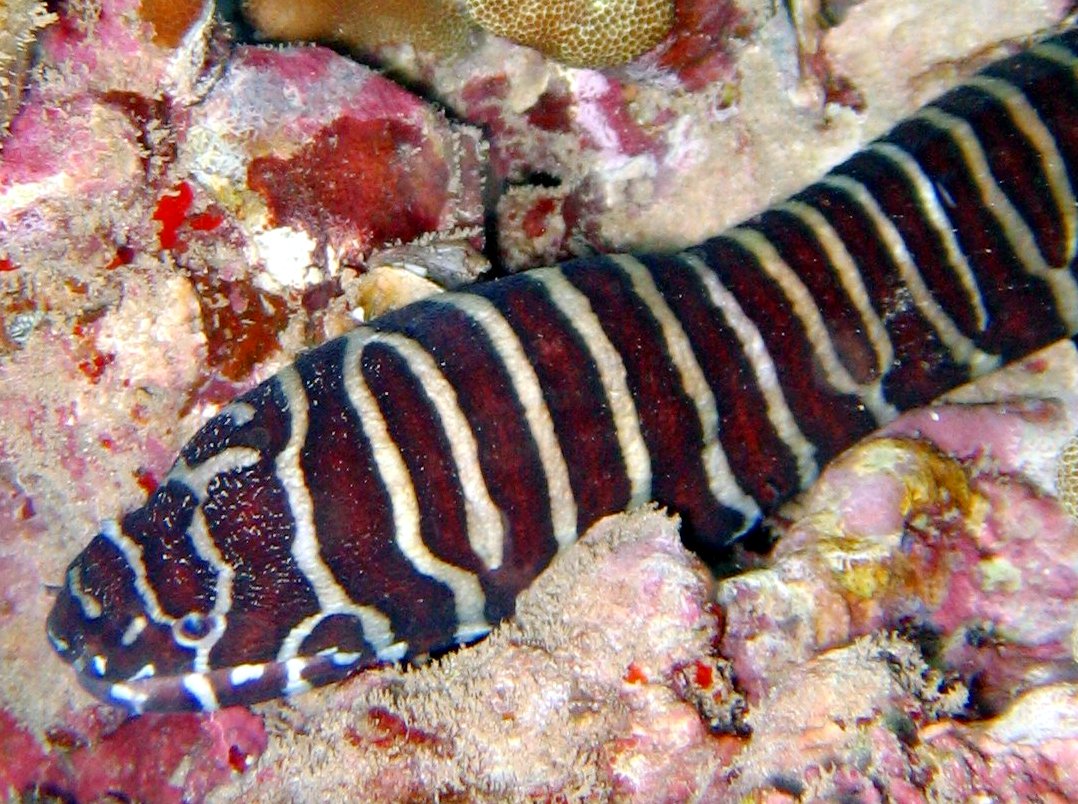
(192, 627)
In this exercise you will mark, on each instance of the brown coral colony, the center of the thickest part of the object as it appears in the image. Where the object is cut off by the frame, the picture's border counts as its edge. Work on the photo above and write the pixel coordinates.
(580, 33)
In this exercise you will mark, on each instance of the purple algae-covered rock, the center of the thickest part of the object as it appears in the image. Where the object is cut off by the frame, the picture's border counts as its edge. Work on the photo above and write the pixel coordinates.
(933, 529)
(314, 152)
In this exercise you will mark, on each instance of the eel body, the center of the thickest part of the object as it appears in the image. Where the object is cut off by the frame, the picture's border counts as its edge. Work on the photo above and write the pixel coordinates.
(390, 493)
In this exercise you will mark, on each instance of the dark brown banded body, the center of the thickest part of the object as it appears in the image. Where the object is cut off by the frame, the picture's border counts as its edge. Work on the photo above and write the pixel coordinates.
(390, 493)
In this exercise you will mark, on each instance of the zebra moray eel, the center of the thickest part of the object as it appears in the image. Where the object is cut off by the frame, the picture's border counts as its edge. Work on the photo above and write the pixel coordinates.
(390, 493)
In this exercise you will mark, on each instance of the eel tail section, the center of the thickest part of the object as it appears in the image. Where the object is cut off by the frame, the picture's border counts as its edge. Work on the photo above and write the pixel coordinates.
(390, 493)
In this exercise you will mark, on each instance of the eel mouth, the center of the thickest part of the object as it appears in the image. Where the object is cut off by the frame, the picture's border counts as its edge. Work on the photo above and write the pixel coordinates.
(190, 692)
(103, 690)
(241, 685)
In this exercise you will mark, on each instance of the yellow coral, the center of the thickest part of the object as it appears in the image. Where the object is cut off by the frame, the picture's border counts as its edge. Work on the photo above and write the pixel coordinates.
(584, 33)
(933, 487)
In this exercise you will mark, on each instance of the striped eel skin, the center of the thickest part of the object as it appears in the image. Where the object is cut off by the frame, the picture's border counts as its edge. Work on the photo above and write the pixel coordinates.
(389, 494)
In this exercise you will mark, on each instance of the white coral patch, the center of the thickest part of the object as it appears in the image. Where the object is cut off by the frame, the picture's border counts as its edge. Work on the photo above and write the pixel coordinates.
(288, 257)
(160, 350)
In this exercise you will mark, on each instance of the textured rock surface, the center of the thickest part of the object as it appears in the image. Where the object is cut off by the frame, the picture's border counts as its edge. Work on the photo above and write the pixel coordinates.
(557, 703)
(20, 20)
(942, 536)
(610, 161)
(164, 242)
(736, 109)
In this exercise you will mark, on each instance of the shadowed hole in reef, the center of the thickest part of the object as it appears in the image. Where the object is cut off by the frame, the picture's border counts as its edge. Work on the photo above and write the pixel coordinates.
(924, 635)
(750, 551)
(230, 12)
(980, 705)
(537, 178)
(787, 784)
(49, 793)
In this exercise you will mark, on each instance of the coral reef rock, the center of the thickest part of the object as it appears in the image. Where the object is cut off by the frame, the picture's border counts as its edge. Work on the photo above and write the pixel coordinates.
(20, 20)
(164, 244)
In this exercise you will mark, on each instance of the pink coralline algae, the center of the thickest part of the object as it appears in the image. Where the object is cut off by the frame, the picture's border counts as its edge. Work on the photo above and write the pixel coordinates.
(697, 51)
(899, 536)
(215, 170)
(167, 238)
(337, 153)
(394, 192)
(150, 759)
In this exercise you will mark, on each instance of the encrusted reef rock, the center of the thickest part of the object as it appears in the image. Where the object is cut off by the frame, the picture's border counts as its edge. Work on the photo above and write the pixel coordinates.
(180, 214)
(937, 551)
(322, 161)
(960, 552)
(168, 236)
(911, 637)
(735, 107)
(577, 696)
(158, 254)
(20, 20)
